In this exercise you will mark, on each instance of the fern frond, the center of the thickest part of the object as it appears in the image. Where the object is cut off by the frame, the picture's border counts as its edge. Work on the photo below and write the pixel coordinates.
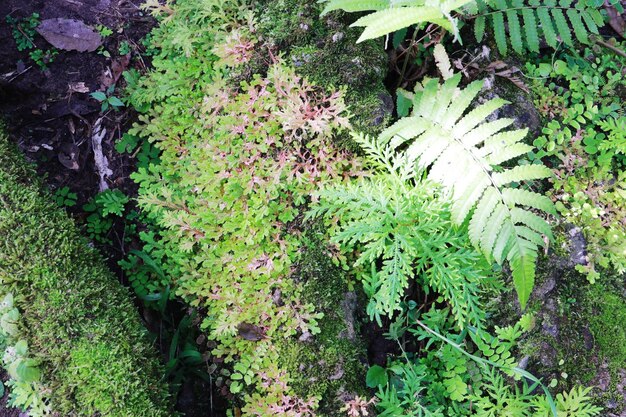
(463, 153)
(402, 233)
(389, 16)
(355, 5)
(521, 18)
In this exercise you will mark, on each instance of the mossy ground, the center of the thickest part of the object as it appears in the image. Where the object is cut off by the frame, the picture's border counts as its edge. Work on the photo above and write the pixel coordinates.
(331, 364)
(78, 321)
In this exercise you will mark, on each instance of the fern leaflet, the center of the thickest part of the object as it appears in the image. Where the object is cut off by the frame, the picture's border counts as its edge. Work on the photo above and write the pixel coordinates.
(521, 18)
(464, 153)
(389, 15)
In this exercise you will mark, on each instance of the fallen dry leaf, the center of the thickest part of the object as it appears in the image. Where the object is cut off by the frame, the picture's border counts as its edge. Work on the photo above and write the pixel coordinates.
(70, 34)
(616, 20)
(250, 332)
(77, 88)
(68, 156)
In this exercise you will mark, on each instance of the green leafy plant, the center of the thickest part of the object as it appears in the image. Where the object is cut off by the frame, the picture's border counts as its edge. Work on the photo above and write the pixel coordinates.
(582, 137)
(24, 30)
(103, 209)
(447, 380)
(64, 197)
(143, 150)
(530, 21)
(43, 58)
(124, 48)
(112, 202)
(104, 31)
(465, 154)
(399, 221)
(107, 99)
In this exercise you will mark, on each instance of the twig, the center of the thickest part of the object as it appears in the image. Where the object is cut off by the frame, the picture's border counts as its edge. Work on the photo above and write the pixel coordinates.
(607, 45)
(26, 36)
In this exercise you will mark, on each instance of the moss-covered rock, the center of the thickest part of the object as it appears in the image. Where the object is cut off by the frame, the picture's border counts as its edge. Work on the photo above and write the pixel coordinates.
(79, 323)
(579, 336)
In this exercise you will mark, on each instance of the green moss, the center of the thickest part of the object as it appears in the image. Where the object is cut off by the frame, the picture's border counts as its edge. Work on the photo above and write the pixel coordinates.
(579, 337)
(608, 323)
(79, 322)
(330, 365)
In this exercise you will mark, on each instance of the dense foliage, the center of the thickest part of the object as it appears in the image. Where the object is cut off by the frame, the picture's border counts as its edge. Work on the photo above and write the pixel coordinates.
(71, 338)
(274, 172)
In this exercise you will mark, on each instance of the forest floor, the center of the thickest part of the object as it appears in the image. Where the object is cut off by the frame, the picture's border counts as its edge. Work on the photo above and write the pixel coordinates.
(52, 116)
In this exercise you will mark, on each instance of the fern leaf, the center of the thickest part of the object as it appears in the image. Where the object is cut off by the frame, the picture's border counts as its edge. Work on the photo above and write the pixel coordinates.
(549, 32)
(515, 31)
(562, 27)
(355, 5)
(517, 196)
(508, 153)
(479, 28)
(579, 28)
(521, 173)
(527, 20)
(443, 62)
(530, 29)
(485, 208)
(499, 32)
(591, 24)
(485, 130)
(522, 260)
(385, 21)
(496, 221)
(462, 153)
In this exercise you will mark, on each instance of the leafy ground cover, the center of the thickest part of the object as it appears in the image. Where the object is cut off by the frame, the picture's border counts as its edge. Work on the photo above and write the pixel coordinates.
(333, 210)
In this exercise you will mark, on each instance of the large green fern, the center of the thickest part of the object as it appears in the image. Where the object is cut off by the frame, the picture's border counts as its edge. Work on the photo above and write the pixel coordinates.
(391, 15)
(528, 21)
(403, 233)
(464, 154)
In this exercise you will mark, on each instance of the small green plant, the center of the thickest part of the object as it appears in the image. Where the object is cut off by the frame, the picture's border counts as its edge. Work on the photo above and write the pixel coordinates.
(24, 30)
(104, 31)
(145, 152)
(43, 58)
(447, 380)
(112, 202)
(584, 140)
(107, 99)
(124, 48)
(64, 197)
(103, 209)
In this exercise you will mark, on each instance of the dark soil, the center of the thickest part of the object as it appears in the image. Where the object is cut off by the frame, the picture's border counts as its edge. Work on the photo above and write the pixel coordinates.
(52, 123)
(49, 121)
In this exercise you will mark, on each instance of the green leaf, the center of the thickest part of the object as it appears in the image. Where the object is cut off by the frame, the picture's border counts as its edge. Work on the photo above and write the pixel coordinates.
(99, 95)
(376, 376)
(479, 28)
(116, 102)
(389, 20)
(499, 32)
